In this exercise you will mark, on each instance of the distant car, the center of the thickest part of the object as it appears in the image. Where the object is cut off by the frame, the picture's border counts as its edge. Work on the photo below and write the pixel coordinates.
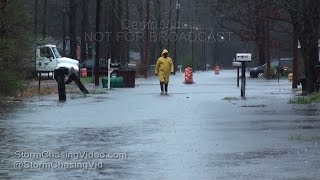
(103, 67)
(283, 63)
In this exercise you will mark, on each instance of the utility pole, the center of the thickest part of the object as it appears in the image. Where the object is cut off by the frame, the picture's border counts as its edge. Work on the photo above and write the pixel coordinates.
(96, 62)
(177, 26)
(146, 39)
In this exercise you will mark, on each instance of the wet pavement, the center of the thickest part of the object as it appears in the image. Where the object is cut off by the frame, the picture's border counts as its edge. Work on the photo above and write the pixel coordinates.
(199, 131)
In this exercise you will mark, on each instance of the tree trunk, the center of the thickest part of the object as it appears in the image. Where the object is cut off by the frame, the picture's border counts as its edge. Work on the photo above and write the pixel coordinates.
(35, 17)
(267, 48)
(296, 31)
(309, 42)
(64, 44)
(295, 58)
(127, 42)
(260, 34)
(113, 32)
(176, 33)
(260, 40)
(121, 43)
(84, 29)
(159, 47)
(146, 40)
(261, 49)
(108, 40)
(44, 28)
(73, 28)
(141, 19)
(3, 4)
(169, 25)
(105, 45)
(97, 59)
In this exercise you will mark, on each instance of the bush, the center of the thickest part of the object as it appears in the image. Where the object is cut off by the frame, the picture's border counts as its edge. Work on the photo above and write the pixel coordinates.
(273, 72)
(286, 72)
(10, 83)
(312, 98)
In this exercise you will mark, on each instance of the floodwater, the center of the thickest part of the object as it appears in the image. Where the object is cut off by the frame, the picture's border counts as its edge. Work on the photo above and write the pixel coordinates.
(199, 131)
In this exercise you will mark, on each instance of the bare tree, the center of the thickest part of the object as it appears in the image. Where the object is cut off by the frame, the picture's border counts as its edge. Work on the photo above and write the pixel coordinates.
(3, 4)
(309, 42)
(84, 29)
(146, 39)
(44, 28)
(97, 59)
(73, 28)
(305, 20)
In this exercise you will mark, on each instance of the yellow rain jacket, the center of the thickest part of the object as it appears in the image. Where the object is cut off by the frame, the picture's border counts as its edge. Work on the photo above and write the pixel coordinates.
(164, 67)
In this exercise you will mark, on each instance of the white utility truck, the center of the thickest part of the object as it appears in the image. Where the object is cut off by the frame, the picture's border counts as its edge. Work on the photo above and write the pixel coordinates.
(48, 59)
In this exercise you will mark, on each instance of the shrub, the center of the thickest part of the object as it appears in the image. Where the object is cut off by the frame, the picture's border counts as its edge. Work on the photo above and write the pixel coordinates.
(312, 98)
(10, 83)
(286, 72)
(273, 72)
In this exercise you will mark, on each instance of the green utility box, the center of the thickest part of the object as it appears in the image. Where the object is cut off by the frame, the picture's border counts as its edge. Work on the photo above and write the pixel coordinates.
(115, 82)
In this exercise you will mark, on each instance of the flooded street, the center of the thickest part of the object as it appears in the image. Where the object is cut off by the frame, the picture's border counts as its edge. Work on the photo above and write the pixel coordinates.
(199, 131)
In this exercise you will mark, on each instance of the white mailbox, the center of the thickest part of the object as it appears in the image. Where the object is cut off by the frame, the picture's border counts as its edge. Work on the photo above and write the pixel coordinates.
(243, 57)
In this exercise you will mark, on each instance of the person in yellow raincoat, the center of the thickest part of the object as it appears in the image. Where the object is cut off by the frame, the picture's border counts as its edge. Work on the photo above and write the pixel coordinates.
(164, 68)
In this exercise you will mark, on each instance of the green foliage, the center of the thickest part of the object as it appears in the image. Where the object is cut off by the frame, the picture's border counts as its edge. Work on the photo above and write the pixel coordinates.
(10, 83)
(272, 71)
(15, 41)
(309, 99)
(303, 138)
(15, 46)
(186, 61)
(230, 98)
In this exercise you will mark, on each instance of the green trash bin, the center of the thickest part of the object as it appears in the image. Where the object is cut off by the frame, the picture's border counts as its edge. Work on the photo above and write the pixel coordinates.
(115, 82)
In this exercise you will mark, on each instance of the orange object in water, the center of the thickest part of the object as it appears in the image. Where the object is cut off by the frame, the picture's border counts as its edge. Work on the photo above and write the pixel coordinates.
(217, 70)
(188, 75)
(84, 72)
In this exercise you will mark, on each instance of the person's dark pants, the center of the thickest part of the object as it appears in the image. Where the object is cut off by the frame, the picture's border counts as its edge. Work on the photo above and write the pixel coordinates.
(164, 87)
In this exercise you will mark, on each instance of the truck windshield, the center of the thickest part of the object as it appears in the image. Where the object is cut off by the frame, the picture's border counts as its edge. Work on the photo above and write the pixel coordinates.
(56, 52)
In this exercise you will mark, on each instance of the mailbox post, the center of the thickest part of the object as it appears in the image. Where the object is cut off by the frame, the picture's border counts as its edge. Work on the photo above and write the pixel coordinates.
(238, 65)
(243, 58)
(111, 68)
(243, 80)
(59, 76)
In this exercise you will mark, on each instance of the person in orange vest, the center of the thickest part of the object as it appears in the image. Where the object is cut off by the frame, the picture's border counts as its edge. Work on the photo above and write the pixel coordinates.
(164, 68)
